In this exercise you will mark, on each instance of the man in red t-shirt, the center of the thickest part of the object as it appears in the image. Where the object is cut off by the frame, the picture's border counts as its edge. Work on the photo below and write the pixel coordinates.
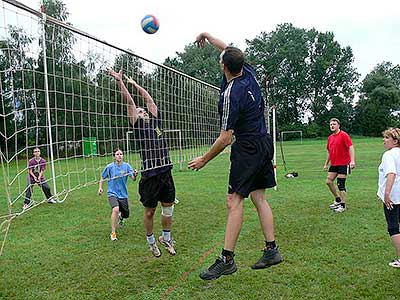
(341, 156)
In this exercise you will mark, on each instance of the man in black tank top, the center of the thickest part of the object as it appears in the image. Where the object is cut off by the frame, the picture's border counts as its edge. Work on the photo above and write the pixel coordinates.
(156, 184)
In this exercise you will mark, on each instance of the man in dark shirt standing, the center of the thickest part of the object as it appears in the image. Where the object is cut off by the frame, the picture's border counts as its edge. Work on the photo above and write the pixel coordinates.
(156, 184)
(241, 109)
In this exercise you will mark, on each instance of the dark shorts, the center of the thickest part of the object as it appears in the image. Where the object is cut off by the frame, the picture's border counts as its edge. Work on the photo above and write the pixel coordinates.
(158, 188)
(251, 166)
(122, 203)
(344, 170)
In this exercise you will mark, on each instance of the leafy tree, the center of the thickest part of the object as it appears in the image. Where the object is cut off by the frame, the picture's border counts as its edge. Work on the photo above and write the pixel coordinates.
(280, 56)
(311, 76)
(379, 103)
(17, 99)
(332, 81)
(201, 63)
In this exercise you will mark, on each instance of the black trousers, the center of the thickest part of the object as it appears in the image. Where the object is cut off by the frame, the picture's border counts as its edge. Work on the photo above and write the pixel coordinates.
(45, 188)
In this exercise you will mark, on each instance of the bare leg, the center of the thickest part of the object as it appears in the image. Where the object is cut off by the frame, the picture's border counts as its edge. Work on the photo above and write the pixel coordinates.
(396, 243)
(264, 214)
(234, 203)
(329, 182)
(148, 217)
(114, 218)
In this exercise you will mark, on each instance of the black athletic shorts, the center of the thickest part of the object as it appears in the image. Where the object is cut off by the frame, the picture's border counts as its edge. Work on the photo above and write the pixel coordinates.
(122, 203)
(344, 170)
(158, 188)
(251, 166)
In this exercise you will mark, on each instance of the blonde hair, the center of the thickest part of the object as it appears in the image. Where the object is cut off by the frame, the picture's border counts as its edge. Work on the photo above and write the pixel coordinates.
(334, 120)
(393, 133)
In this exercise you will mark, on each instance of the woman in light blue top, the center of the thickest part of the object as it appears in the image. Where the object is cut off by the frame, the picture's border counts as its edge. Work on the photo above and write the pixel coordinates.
(117, 174)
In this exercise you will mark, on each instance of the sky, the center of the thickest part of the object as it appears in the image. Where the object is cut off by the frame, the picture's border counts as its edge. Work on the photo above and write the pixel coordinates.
(370, 28)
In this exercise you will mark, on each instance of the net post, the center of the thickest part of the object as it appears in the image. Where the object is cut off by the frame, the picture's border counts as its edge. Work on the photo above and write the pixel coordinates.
(46, 90)
(274, 142)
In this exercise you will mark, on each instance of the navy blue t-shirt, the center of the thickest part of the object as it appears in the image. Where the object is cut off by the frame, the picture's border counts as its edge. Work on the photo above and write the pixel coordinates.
(241, 106)
(153, 148)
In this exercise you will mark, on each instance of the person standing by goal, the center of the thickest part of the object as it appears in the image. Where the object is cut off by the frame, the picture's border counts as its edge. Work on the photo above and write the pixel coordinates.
(36, 168)
(341, 157)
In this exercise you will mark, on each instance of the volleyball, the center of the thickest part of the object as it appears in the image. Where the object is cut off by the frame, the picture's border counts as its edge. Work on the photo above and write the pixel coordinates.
(150, 24)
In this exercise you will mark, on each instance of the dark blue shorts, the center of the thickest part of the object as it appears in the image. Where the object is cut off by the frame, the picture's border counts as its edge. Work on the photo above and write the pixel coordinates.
(251, 166)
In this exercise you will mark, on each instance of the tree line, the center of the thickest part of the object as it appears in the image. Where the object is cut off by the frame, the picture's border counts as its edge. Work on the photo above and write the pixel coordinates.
(311, 79)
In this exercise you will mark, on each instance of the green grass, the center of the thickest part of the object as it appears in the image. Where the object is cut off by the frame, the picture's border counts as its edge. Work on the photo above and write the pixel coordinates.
(63, 251)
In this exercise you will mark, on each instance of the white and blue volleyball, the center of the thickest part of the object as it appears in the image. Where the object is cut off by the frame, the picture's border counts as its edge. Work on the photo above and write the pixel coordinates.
(150, 24)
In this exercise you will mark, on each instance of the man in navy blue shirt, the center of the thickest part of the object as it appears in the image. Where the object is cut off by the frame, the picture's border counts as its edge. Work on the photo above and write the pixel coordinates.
(156, 184)
(241, 110)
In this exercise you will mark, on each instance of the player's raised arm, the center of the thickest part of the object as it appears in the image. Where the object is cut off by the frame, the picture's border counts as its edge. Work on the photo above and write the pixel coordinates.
(151, 105)
(204, 37)
(131, 106)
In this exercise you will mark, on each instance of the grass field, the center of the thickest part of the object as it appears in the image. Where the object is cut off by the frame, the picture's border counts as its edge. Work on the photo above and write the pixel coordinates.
(63, 251)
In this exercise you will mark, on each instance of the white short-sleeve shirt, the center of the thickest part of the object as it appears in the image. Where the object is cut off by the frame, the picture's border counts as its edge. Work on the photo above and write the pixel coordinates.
(390, 164)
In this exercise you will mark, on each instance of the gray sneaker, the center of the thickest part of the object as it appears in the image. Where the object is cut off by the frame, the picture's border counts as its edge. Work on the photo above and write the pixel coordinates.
(269, 258)
(218, 269)
(155, 250)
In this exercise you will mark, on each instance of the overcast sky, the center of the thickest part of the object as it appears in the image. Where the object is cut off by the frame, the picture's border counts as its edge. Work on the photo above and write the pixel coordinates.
(371, 28)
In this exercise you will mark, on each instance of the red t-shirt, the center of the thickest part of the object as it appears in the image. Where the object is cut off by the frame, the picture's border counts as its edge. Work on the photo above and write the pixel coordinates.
(338, 147)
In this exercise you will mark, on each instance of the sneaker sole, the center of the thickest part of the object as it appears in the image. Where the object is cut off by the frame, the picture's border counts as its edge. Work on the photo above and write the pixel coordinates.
(266, 266)
(230, 272)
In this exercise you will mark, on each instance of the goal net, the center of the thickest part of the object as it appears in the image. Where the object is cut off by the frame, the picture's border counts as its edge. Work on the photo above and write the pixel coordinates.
(57, 95)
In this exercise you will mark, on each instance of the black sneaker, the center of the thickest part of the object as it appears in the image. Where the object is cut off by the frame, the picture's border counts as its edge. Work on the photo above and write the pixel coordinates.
(269, 258)
(219, 268)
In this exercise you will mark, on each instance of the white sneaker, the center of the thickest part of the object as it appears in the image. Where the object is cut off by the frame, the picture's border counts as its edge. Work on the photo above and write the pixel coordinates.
(340, 209)
(155, 250)
(27, 205)
(51, 200)
(113, 236)
(169, 245)
(395, 263)
(334, 205)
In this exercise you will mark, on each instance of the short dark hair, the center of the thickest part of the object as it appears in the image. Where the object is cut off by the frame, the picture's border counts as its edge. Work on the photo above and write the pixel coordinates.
(233, 59)
(117, 149)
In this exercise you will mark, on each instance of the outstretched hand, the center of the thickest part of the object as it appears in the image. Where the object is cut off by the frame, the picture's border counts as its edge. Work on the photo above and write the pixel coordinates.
(130, 80)
(197, 163)
(201, 40)
(116, 75)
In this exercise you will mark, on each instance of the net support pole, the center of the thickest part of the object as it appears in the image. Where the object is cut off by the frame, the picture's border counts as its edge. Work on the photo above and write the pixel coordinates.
(274, 141)
(46, 90)
(180, 145)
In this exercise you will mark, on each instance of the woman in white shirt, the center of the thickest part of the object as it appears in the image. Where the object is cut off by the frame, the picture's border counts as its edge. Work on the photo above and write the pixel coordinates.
(389, 187)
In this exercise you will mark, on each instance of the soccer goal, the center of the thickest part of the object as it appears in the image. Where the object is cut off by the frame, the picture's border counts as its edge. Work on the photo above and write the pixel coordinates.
(292, 132)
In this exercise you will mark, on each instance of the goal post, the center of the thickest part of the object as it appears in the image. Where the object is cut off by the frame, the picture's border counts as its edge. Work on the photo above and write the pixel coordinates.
(292, 132)
(57, 94)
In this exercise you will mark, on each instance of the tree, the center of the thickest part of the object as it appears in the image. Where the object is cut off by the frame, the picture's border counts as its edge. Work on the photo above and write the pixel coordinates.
(311, 75)
(200, 63)
(379, 103)
(281, 57)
